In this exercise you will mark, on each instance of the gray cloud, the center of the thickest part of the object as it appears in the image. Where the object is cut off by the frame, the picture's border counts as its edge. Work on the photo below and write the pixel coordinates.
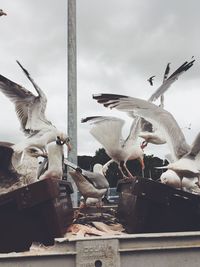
(120, 44)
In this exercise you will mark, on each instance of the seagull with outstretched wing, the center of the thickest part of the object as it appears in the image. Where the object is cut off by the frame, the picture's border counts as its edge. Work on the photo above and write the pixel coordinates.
(108, 132)
(185, 158)
(30, 110)
(153, 135)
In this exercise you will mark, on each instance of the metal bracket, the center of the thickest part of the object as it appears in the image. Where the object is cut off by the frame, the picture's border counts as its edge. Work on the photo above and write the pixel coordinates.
(97, 253)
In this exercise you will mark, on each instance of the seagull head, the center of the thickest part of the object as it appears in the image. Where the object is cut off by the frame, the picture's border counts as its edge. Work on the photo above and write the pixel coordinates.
(62, 139)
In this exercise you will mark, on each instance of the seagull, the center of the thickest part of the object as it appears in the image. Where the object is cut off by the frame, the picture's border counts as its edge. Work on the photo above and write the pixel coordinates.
(108, 132)
(185, 158)
(96, 177)
(150, 80)
(2, 13)
(149, 133)
(87, 189)
(55, 155)
(12, 172)
(30, 110)
(107, 128)
(170, 80)
(170, 178)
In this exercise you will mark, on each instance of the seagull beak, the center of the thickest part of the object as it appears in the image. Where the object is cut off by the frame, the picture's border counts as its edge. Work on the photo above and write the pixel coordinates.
(44, 154)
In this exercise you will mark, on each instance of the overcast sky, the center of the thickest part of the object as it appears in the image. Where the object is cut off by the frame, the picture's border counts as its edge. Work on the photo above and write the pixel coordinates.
(120, 44)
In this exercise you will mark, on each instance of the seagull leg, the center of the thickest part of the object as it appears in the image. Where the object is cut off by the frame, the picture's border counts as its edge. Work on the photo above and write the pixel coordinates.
(99, 205)
(83, 206)
(141, 160)
(123, 170)
(128, 172)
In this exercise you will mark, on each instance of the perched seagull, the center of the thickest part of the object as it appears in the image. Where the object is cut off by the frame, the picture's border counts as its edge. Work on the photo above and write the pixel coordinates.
(96, 177)
(2, 13)
(55, 156)
(108, 132)
(87, 189)
(150, 80)
(12, 172)
(186, 158)
(170, 178)
(30, 110)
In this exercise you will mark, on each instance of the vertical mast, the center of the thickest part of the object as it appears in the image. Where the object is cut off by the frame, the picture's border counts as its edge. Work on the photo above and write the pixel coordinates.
(72, 86)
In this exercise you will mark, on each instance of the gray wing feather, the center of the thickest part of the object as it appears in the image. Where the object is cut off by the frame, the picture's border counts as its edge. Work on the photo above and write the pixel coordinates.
(159, 117)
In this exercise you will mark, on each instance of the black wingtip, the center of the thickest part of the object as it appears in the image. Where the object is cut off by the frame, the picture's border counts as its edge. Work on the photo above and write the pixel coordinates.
(166, 71)
(184, 67)
(89, 118)
(25, 71)
(107, 96)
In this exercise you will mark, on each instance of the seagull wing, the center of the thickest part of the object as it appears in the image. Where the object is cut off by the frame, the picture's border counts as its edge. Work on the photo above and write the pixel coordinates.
(29, 108)
(106, 130)
(160, 118)
(166, 72)
(172, 78)
(195, 147)
(19, 96)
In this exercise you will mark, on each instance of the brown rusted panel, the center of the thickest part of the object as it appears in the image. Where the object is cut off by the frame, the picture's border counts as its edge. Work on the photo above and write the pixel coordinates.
(38, 212)
(147, 206)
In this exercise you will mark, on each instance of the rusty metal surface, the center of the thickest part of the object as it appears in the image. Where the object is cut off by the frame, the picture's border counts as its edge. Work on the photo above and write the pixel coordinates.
(147, 206)
(155, 250)
(37, 212)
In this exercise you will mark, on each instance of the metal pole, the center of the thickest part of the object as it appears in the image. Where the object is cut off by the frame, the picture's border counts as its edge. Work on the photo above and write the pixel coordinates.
(72, 88)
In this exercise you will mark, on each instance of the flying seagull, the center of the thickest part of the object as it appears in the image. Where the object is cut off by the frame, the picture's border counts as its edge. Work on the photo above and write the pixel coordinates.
(150, 80)
(185, 158)
(30, 110)
(108, 132)
(2, 13)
